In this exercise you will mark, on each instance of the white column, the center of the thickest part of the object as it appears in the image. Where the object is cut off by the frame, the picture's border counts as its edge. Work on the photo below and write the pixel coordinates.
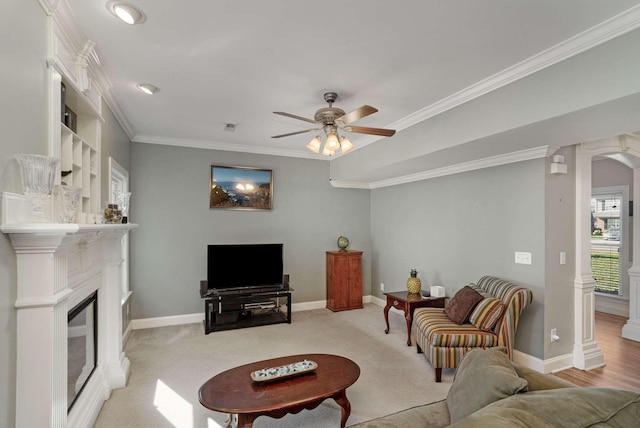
(41, 393)
(110, 312)
(631, 329)
(586, 353)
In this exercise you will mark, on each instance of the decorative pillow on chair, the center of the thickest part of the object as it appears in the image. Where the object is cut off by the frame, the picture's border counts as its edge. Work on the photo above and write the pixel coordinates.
(483, 377)
(461, 305)
(487, 313)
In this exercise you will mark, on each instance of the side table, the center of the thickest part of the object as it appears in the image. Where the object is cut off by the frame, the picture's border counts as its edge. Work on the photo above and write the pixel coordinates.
(408, 302)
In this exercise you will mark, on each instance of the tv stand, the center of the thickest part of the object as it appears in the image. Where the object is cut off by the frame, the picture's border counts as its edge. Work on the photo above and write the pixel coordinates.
(232, 309)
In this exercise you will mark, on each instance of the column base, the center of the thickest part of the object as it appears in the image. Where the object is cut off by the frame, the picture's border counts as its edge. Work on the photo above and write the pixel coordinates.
(588, 356)
(631, 330)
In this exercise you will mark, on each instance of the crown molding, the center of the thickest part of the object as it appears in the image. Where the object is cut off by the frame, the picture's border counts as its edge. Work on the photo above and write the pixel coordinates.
(49, 6)
(349, 184)
(519, 156)
(211, 145)
(607, 30)
(111, 101)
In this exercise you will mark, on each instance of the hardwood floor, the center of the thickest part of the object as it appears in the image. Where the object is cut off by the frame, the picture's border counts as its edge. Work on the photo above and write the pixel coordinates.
(621, 357)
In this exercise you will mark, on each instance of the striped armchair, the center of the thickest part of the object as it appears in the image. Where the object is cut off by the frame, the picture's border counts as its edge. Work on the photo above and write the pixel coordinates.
(445, 342)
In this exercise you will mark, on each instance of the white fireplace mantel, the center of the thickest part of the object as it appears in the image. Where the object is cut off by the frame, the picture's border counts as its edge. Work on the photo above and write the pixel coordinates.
(58, 265)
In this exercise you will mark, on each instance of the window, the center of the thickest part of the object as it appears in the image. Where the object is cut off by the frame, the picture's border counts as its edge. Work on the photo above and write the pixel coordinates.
(608, 251)
(119, 185)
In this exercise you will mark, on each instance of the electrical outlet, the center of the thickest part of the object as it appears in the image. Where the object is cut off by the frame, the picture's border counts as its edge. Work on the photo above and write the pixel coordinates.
(382, 286)
(523, 258)
(554, 335)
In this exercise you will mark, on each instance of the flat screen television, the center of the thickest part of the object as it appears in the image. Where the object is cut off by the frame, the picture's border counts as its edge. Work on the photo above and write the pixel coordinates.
(244, 266)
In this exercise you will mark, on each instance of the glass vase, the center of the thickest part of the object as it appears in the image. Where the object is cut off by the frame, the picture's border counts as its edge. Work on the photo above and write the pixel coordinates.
(68, 203)
(38, 174)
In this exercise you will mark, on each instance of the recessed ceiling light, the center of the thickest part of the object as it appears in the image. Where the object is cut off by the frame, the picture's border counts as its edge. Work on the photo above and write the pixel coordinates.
(126, 12)
(148, 88)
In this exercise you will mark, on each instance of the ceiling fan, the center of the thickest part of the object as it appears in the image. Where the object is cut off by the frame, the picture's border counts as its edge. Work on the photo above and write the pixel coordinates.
(330, 119)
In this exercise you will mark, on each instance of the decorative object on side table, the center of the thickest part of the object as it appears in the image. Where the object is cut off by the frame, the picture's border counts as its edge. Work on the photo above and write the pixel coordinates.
(343, 243)
(413, 283)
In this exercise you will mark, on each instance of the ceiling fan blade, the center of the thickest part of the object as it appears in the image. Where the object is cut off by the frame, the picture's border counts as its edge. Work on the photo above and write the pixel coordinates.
(293, 116)
(296, 133)
(356, 114)
(373, 131)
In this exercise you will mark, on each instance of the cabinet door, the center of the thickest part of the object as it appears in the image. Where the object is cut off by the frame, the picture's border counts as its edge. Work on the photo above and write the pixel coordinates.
(341, 281)
(344, 280)
(355, 281)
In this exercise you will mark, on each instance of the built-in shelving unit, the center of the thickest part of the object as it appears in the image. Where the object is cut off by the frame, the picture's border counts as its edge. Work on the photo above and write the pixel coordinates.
(80, 147)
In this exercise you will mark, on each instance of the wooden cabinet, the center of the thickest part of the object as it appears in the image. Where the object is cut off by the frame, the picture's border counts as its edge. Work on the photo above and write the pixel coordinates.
(344, 280)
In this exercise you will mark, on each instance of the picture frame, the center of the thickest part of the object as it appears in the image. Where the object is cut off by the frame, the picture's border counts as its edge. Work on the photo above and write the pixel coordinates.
(240, 188)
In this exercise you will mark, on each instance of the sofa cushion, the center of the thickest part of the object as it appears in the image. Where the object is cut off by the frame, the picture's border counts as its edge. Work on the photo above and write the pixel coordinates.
(483, 377)
(585, 407)
(487, 313)
(440, 331)
(462, 303)
(434, 415)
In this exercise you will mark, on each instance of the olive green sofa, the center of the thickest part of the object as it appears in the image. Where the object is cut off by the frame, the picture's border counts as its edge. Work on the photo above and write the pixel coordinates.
(504, 394)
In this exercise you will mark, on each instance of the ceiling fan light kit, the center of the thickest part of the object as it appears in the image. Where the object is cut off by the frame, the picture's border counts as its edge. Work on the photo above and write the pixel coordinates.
(330, 119)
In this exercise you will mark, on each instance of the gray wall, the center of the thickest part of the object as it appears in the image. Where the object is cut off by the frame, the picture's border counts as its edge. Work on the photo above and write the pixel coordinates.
(170, 201)
(455, 229)
(115, 144)
(23, 119)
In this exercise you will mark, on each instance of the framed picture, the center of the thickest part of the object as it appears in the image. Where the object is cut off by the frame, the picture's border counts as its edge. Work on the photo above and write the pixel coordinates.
(240, 188)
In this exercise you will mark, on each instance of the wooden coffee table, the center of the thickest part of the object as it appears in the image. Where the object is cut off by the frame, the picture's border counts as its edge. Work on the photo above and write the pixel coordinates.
(408, 302)
(235, 393)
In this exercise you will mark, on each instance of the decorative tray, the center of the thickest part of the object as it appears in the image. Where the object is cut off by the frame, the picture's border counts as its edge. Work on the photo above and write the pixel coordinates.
(283, 372)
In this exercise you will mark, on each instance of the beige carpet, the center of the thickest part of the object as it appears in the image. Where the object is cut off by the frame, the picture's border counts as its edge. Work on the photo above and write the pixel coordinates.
(169, 364)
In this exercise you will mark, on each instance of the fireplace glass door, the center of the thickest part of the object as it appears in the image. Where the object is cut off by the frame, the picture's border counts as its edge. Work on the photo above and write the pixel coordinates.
(82, 346)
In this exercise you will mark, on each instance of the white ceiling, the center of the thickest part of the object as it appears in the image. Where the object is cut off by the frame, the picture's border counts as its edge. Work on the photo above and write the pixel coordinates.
(225, 61)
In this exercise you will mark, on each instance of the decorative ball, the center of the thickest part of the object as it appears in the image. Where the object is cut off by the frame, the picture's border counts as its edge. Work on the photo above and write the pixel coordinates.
(343, 243)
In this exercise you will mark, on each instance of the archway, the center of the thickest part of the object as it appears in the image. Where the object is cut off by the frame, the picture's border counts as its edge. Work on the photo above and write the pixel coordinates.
(626, 149)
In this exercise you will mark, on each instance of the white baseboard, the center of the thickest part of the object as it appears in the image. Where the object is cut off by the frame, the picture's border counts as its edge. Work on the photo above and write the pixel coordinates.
(612, 305)
(551, 365)
(377, 301)
(139, 324)
(166, 321)
(543, 366)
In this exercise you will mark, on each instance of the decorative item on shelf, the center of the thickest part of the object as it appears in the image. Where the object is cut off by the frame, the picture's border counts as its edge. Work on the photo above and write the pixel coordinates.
(67, 203)
(343, 243)
(112, 214)
(123, 200)
(413, 283)
(70, 119)
(38, 174)
(63, 174)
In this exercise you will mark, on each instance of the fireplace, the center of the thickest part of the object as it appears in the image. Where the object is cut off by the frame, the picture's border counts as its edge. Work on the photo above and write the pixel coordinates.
(82, 346)
(68, 287)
